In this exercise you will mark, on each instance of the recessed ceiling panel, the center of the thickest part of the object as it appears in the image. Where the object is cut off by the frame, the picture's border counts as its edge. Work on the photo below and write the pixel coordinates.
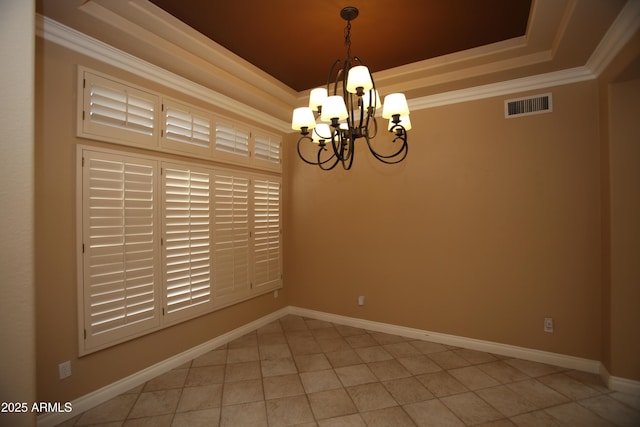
(297, 41)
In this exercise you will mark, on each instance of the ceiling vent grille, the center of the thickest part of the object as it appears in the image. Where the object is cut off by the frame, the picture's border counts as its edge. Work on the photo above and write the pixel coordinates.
(527, 106)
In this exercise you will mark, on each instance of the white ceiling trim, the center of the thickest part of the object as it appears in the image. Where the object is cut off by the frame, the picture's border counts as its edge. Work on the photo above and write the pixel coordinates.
(542, 81)
(76, 41)
(623, 28)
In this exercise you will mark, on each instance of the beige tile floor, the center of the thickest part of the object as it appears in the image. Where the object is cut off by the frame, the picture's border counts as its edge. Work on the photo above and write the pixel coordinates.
(299, 371)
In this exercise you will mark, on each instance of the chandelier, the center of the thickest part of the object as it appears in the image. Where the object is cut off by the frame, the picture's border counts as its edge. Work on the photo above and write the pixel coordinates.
(335, 121)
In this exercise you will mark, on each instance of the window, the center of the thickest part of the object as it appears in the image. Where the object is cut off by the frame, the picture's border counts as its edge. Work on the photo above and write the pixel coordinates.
(118, 112)
(120, 260)
(187, 241)
(267, 148)
(164, 242)
(231, 256)
(232, 138)
(186, 128)
(113, 111)
(267, 245)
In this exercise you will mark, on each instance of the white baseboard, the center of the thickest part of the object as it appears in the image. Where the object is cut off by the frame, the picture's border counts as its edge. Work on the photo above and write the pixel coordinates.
(110, 391)
(622, 385)
(565, 361)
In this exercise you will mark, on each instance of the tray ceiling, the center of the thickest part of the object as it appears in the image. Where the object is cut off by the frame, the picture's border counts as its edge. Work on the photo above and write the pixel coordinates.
(297, 41)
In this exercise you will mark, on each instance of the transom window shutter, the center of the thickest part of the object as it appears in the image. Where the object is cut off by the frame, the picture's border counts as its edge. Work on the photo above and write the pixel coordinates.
(231, 255)
(187, 244)
(187, 127)
(267, 148)
(266, 246)
(232, 139)
(115, 105)
(116, 111)
(120, 260)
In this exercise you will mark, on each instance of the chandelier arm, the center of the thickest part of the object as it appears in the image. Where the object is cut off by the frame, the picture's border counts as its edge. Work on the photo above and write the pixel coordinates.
(401, 134)
(373, 99)
(348, 162)
(320, 150)
(337, 144)
(322, 163)
(302, 138)
(335, 155)
(385, 159)
(349, 146)
(333, 71)
(375, 127)
(343, 145)
(362, 124)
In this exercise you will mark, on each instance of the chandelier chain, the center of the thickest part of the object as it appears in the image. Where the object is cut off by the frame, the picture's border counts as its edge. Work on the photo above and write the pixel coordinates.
(347, 38)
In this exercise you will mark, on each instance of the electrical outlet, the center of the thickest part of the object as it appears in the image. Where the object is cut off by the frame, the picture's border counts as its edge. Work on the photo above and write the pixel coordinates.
(361, 300)
(548, 324)
(275, 293)
(64, 369)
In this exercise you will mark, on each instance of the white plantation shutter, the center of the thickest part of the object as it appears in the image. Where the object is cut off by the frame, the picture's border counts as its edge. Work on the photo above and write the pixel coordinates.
(121, 109)
(120, 260)
(267, 148)
(164, 242)
(189, 128)
(117, 111)
(267, 262)
(232, 138)
(231, 254)
(187, 241)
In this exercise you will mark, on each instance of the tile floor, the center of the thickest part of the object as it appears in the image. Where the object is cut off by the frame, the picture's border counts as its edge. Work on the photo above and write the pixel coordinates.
(299, 371)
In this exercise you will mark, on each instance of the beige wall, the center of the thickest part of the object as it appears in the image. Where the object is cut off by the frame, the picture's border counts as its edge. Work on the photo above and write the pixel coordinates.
(625, 229)
(17, 300)
(488, 227)
(619, 110)
(55, 239)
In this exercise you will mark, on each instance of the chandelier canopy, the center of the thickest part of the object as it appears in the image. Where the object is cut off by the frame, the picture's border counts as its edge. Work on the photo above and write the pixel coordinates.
(333, 121)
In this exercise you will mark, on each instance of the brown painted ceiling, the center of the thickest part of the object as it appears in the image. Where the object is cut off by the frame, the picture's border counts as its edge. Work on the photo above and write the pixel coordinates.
(297, 41)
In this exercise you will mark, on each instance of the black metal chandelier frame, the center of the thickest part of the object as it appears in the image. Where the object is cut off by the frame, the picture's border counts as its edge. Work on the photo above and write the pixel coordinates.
(337, 147)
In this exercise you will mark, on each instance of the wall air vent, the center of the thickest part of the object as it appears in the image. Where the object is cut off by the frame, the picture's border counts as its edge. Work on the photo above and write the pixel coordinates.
(527, 106)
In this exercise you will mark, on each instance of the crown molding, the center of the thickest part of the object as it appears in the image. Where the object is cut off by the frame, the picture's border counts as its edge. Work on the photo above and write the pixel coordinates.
(627, 23)
(624, 27)
(76, 41)
(541, 81)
